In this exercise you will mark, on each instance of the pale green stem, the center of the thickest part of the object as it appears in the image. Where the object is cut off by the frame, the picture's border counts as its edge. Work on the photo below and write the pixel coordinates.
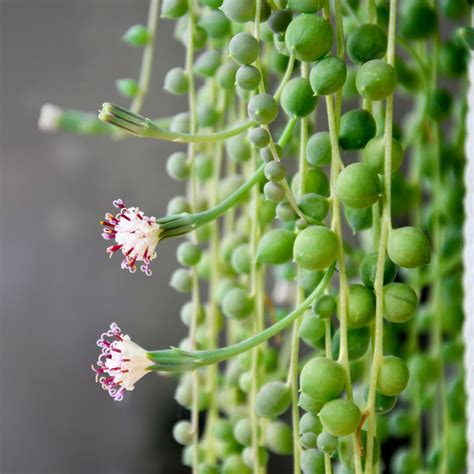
(257, 284)
(147, 59)
(328, 338)
(230, 167)
(376, 221)
(333, 114)
(215, 212)
(371, 18)
(295, 341)
(196, 297)
(229, 221)
(336, 226)
(255, 323)
(273, 5)
(340, 53)
(258, 324)
(367, 105)
(256, 33)
(328, 348)
(213, 320)
(286, 77)
(378, 345)
(196, 385)
(339, 28)
(327, 464)
(385, 228)
(286, 134)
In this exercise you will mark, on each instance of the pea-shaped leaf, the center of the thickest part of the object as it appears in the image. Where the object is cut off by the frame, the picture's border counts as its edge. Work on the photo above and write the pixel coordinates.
(273, 399)
(276, 247)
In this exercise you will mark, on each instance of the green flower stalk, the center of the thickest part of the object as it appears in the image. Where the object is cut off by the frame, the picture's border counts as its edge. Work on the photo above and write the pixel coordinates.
(139, 126)
(178, 360)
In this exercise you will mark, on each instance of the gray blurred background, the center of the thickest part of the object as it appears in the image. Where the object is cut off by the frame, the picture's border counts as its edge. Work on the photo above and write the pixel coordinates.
(58, 289)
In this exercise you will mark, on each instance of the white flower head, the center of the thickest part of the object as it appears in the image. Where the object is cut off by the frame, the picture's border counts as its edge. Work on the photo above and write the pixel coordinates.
(135, 235)
(49, 117)
(121, 363)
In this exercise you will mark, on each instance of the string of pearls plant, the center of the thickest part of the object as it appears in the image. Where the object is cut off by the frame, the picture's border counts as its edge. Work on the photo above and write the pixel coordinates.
(323, 232)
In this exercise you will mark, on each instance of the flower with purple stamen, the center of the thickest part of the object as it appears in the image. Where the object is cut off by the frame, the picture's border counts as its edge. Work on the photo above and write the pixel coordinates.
(121, 363)
(135, 235)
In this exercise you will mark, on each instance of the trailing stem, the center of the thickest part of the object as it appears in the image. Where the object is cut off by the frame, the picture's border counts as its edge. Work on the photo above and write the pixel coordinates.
(147, 59)
(294, 353)
(196, 297)
(336, 165)
(213, 320)
(382, 250)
